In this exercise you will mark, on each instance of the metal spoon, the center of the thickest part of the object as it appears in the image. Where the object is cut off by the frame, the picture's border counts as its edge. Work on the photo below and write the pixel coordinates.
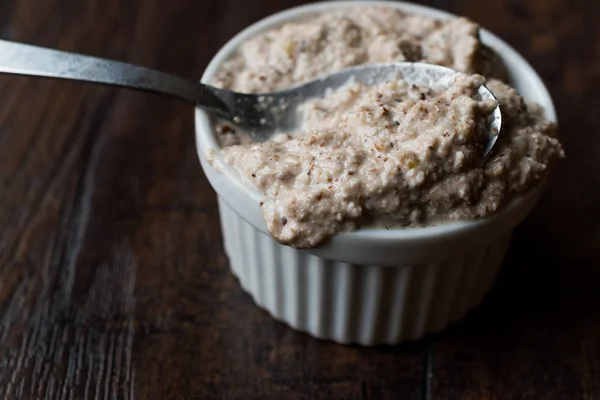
(260, 115)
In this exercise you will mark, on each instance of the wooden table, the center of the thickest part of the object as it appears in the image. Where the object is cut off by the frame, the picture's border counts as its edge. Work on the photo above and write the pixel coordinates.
(113, 281)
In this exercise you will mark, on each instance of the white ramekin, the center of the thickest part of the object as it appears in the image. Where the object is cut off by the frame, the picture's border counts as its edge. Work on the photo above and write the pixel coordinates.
(370, 286)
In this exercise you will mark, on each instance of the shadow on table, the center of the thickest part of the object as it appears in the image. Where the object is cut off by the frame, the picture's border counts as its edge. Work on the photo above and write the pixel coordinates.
(551, 272)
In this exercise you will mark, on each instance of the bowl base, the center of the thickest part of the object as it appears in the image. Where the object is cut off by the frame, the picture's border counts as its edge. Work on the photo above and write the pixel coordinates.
(357, 304)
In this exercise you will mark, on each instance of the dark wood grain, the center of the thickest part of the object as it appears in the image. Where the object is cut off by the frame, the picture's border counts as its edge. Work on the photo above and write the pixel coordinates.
(113, 282)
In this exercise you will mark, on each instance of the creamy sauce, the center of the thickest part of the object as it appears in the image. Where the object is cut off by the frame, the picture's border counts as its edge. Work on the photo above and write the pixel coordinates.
(389, 155)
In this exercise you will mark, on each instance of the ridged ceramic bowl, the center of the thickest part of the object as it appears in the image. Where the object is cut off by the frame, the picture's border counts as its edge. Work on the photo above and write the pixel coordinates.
(370, 286)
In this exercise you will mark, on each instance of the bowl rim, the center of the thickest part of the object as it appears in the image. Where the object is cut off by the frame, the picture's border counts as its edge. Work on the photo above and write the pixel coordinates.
(208, 148)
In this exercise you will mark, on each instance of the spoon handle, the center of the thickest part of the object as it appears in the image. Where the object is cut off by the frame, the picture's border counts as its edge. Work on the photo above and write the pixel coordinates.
(23, 59)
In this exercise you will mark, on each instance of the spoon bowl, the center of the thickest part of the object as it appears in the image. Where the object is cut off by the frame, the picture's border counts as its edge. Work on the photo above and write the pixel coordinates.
(260, 115)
